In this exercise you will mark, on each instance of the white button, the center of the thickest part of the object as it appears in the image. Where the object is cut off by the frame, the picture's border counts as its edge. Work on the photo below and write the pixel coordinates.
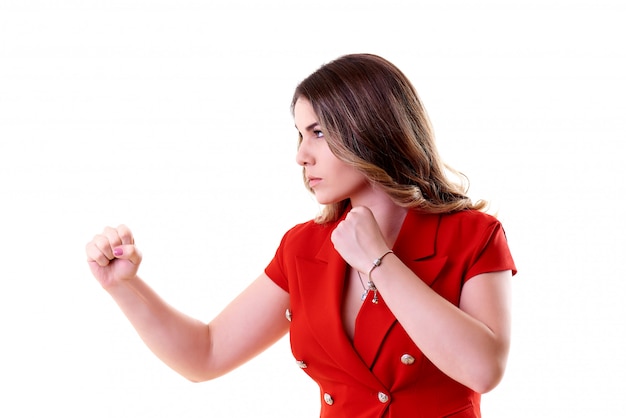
(383, 397)
(301, 364)
(288, 315)
(407, 359)
(328, 399)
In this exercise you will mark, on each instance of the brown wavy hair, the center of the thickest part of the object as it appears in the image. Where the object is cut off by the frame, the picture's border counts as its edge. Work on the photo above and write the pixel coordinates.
(373, 119)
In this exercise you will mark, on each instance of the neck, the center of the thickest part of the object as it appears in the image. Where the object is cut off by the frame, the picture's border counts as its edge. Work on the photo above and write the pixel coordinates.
(387, 213)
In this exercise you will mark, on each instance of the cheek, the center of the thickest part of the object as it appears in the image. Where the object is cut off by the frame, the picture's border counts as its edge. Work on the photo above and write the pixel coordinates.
(350, 176)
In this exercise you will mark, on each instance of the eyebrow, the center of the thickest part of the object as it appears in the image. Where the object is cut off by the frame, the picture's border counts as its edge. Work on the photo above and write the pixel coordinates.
(310, 127)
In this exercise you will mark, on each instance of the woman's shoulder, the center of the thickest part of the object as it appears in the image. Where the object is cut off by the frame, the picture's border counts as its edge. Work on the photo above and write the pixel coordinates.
(469, 221)
(470, 216)
(309, 231)
(303, 238)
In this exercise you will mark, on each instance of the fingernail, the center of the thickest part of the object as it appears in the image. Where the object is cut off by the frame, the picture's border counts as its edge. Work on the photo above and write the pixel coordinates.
(117, 252)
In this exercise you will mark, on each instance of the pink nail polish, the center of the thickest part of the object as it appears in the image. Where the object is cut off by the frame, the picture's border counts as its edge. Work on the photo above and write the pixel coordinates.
(117, 252)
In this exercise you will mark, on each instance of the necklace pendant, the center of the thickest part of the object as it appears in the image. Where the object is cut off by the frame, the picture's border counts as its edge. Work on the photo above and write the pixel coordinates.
(364, 295)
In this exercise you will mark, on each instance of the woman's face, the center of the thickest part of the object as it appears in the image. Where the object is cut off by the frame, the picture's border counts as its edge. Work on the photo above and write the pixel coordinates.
(331, 179)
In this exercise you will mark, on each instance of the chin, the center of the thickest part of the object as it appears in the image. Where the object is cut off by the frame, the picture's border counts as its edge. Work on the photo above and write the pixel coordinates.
(326, 200)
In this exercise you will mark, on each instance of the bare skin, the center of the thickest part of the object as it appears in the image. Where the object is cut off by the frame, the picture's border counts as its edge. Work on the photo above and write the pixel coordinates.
(470, 343)
(196, 350)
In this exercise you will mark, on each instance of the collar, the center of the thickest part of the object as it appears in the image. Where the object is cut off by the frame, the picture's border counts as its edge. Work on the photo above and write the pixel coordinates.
(322, 283)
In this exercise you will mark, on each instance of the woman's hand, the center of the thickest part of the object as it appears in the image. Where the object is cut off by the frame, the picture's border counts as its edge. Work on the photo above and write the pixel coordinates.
(112, 256)
(358, 239)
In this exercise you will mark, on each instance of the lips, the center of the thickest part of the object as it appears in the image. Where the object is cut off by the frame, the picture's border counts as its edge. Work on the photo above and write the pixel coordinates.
(313, 181)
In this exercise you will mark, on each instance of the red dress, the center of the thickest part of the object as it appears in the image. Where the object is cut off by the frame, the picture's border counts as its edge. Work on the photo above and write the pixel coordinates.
(382, 373)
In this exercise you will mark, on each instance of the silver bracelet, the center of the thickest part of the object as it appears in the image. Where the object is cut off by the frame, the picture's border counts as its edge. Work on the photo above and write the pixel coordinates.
(370, 283)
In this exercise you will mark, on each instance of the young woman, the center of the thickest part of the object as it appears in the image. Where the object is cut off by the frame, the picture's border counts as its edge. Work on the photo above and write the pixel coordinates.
(396, 297)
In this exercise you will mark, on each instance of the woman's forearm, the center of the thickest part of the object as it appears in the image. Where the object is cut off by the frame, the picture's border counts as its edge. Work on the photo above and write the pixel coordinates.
(200, 351)
(470, 345)
(183, 343)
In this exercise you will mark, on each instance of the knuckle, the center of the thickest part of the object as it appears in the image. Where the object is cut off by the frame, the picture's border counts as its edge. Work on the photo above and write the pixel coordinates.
(125, 234)
(96, 256)
(108, 230)
(103, 246)
(102, 260)
(100, 241)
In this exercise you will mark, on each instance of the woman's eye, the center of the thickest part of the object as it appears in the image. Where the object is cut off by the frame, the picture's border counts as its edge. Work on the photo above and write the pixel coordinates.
(318, 134)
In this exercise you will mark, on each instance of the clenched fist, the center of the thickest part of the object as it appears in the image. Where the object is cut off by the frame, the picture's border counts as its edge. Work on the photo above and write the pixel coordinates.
(358, 239)
(112, 256)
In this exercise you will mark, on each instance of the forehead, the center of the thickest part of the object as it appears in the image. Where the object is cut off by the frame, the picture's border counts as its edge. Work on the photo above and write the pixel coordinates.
(304, 115)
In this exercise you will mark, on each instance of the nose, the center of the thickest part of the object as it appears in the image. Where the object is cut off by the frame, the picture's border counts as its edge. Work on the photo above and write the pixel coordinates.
(303, 155)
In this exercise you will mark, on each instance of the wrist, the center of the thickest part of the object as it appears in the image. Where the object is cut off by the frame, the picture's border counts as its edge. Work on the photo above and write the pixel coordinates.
(116, 285)
(376, 263)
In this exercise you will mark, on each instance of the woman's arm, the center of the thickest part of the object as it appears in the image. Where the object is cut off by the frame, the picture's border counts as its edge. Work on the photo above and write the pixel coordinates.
(470, 343)
(196, 350)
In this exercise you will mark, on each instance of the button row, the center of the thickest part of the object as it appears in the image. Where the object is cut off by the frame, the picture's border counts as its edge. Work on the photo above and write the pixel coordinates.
(382, 398)
(406, 359)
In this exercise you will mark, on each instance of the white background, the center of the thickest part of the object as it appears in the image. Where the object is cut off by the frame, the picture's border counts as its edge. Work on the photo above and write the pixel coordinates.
(173, 117)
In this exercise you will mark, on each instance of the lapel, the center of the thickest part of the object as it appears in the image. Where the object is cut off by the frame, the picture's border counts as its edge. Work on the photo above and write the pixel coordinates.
(415, 246)
(321, 292)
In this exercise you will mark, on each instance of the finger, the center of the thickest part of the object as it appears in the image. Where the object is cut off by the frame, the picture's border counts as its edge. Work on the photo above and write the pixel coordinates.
(103, 243)
(96, 254)
(113, 236)
(128, 252)
(126, 236)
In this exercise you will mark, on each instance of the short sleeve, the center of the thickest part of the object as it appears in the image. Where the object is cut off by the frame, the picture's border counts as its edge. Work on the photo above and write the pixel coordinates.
(275, 269)
(492, 253)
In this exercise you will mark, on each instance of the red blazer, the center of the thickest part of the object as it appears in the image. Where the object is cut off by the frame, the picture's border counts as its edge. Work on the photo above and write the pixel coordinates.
(382, 373)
